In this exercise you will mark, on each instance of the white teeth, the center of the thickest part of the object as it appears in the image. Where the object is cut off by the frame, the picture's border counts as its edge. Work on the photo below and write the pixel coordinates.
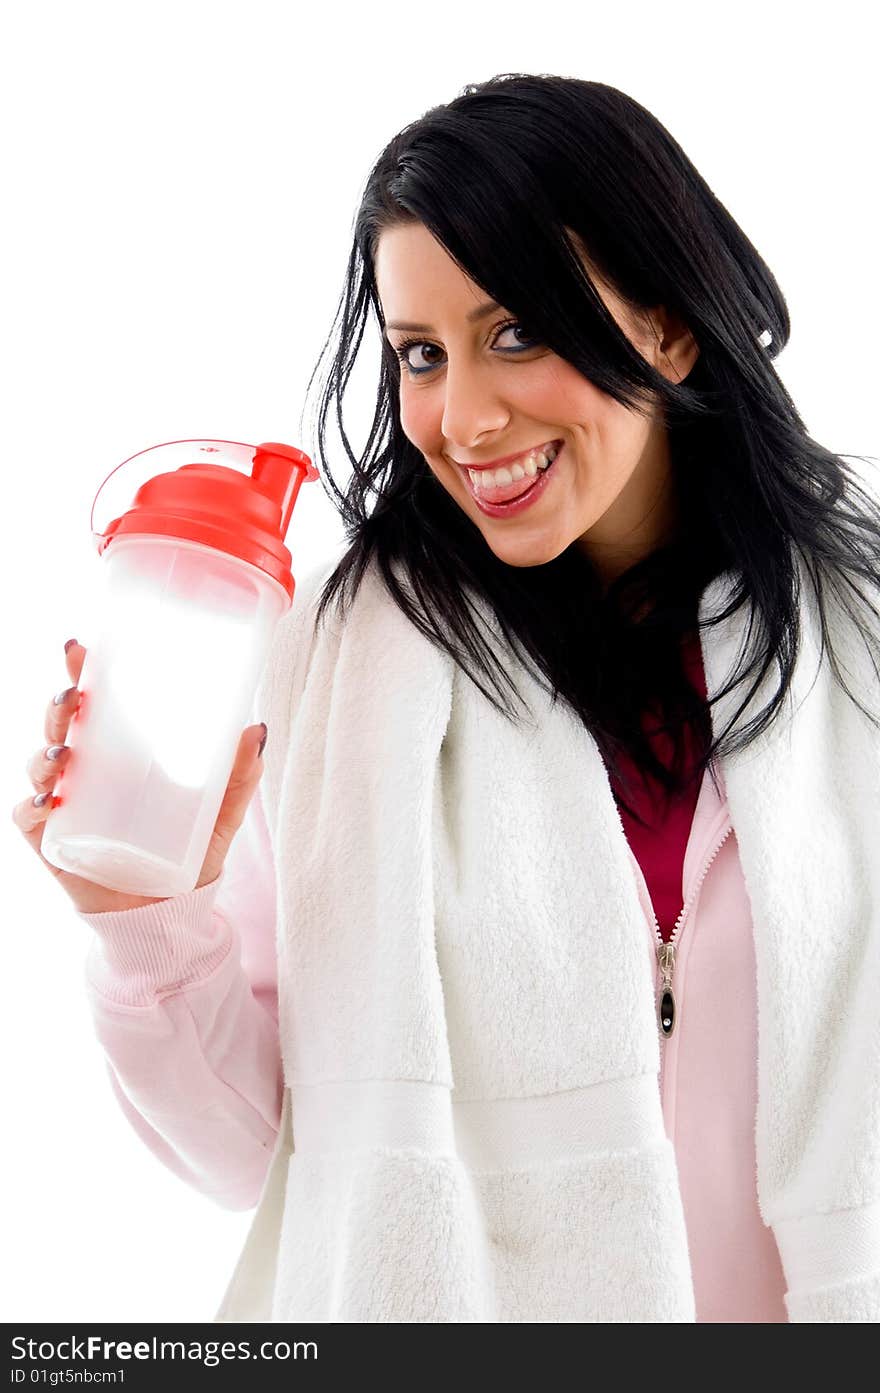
(496, 478)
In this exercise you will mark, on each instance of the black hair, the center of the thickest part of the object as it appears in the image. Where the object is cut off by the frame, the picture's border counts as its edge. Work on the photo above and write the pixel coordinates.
(501, 176)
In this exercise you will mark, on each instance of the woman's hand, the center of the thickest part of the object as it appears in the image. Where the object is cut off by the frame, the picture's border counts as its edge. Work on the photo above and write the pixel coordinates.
(43, 772)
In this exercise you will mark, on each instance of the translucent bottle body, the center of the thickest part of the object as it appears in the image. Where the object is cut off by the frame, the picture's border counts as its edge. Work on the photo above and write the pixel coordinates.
(167, 689)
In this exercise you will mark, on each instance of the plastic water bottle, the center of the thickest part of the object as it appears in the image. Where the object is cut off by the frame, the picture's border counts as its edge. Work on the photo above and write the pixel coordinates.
(196, 578)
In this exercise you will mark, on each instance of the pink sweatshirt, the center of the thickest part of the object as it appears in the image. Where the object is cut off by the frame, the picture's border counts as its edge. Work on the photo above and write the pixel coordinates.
(184, 1000)
(688, 861)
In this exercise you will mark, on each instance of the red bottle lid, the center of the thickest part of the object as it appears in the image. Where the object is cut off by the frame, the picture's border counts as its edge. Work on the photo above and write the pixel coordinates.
(244, 515)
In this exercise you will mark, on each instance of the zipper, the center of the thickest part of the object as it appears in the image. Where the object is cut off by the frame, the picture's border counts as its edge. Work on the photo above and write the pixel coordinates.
(667, 1011)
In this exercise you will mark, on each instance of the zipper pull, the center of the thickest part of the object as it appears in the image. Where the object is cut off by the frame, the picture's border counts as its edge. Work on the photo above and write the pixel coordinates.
(666, 1003)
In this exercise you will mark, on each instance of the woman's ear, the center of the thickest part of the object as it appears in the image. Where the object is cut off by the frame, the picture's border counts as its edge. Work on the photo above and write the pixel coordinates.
(675, 348)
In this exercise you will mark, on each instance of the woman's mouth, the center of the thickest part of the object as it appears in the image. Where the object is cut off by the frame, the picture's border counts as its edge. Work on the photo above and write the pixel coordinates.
(515, 487)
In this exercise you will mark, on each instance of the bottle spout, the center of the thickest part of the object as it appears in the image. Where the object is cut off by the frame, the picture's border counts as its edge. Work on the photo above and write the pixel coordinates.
(280, 470)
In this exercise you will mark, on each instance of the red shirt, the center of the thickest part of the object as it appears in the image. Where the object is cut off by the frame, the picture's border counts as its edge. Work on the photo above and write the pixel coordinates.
(660, 847)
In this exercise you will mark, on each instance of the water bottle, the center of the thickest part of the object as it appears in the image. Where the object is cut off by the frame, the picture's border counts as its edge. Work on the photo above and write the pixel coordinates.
(196, 576)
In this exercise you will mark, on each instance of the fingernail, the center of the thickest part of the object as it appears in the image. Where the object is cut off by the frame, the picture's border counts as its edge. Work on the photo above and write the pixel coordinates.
(264, 739)
(40, 799)
(60, 699)
(69, 644)
(55, 751)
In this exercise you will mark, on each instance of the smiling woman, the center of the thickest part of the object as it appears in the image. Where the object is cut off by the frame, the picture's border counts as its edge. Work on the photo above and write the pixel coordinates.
(546, 264)
(473, 397)
(509, 1068)
(547, 268)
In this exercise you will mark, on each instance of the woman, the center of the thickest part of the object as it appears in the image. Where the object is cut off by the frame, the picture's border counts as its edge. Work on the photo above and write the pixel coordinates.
(503, 1062)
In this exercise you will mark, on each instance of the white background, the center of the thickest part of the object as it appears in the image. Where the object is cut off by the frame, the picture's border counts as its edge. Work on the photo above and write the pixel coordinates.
(180, 182)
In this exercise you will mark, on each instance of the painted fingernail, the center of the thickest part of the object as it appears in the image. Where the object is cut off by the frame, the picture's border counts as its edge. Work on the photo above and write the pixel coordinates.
(55, 751)
(41, 799)
(69, 644)
(60, 699)
(264, 739)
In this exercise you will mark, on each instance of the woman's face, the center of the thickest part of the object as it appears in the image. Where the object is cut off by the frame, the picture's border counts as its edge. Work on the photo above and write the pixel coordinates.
(473, 391)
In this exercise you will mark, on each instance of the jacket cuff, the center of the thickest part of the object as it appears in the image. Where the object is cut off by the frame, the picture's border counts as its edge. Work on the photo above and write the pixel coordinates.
(140, 955)
(831, 1263)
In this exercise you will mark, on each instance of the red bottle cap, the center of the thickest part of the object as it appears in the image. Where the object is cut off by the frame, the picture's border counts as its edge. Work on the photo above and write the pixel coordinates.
(244, 515)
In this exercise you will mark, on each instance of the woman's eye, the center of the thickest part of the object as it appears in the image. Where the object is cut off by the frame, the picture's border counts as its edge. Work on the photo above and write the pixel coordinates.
(515, 328)
(422, 361)
(417, 363)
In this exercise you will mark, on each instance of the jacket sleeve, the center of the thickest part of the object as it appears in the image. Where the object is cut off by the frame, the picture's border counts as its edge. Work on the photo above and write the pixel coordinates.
(183, 998)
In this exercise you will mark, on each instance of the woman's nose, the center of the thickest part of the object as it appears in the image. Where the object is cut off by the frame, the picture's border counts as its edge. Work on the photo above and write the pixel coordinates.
(470, 408)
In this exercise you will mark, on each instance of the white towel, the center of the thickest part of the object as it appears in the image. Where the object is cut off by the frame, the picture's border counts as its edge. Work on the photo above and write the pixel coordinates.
(472, 1126)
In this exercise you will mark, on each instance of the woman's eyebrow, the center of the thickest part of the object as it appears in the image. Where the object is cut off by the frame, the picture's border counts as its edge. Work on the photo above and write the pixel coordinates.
(479, 313)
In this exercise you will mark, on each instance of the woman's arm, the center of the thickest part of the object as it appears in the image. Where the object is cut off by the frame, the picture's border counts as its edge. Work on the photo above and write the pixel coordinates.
(183, 996)
(183, 993)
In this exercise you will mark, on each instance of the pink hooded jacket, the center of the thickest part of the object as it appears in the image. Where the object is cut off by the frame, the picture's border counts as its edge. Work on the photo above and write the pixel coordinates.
(688, 873)
(184, 1000)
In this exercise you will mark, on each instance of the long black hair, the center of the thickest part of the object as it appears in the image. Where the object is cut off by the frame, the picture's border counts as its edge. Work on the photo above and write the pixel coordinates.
(501, 176)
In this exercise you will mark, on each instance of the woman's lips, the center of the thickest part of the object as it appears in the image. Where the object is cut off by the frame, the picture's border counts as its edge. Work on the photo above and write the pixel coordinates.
(529, 499)
(505, 493)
